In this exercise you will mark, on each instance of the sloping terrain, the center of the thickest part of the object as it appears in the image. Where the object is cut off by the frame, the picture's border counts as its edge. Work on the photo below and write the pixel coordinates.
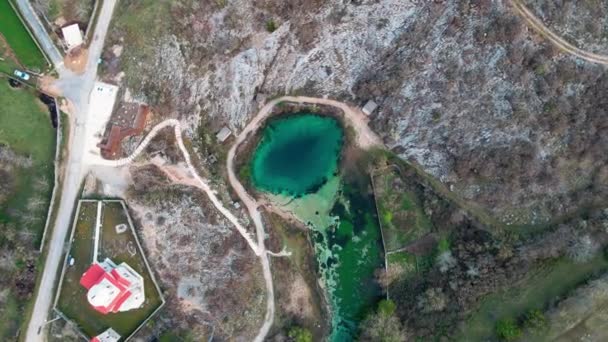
(583, 23)
(211, 277)
(474, 97)
(466, 90)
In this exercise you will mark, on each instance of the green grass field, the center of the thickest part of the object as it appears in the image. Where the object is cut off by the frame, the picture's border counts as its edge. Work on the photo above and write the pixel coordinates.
(401, 214)
(19, 39)
(26, 128)
(543, 286)
(72, 301)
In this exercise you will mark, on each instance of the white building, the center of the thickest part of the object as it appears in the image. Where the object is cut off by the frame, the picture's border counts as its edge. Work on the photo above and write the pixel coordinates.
(72, 36)
(223, 134)
(112, 288)
(370, 107)
(109, 335)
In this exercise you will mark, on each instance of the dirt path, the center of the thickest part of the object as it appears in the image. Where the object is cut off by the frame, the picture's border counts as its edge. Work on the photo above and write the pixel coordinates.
(555, 39)
(365, 138)
(199, 181)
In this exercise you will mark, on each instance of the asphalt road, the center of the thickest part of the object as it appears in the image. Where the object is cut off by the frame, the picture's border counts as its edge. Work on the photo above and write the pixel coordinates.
(76, 88)
(38, 30)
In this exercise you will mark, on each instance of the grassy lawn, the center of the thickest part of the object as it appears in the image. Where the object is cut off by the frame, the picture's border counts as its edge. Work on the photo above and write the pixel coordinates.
(25, 127)
(19, 39)
(120, 248)
(544, 285)
(401, 214)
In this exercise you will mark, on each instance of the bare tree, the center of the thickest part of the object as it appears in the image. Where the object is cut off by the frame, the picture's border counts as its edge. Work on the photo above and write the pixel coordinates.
(41, 184)
(581, 248)
(445, 261)
(35, 203)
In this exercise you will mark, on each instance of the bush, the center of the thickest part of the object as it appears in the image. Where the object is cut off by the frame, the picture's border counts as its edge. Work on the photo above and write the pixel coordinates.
(383, 325)
(271, 25)
(535, 321)
(507, 330)
(387, 307)
(299, 334)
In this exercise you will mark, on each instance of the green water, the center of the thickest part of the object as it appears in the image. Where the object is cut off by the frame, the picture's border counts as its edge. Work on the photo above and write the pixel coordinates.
(297, 154)
(349, 252)
(297, 160)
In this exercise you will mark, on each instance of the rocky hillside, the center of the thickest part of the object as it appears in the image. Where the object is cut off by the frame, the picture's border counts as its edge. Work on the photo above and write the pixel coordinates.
(465, 89)
(583, 22)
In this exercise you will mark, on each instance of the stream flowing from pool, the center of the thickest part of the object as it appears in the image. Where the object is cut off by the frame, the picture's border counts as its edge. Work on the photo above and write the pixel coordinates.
(296, 163)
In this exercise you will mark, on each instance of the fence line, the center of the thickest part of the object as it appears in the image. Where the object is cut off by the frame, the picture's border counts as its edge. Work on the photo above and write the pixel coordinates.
(58, 139)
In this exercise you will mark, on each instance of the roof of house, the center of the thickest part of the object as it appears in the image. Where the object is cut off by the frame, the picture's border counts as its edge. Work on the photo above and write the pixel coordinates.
(223, 134)
(110, 335)
(113, 288)
(72, 35)
(370, 107)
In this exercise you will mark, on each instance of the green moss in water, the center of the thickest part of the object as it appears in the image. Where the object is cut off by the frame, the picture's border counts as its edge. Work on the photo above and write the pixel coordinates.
(297, 154)
(298, 157)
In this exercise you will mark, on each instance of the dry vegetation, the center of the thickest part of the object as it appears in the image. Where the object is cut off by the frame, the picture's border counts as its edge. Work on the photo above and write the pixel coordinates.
(210, 276)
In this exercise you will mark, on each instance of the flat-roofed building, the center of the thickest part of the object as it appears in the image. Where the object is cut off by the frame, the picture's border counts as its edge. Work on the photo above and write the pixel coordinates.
(109, 335)
(370, 107)
(72, 36)
(223, 134)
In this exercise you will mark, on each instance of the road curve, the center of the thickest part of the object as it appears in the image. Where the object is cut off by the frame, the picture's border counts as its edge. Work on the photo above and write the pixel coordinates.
(555, 39)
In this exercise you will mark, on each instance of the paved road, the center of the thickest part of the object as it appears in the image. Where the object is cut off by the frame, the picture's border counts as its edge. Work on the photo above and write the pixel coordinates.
(76, 88)
(555, 39)
(39, 32)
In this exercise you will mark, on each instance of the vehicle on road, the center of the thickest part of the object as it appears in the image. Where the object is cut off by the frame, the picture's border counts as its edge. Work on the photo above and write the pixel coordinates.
(22, 75)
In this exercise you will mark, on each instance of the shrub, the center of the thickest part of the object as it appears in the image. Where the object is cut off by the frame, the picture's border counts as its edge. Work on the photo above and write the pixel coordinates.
(299, 334)
(383, 325)
(387, 307)
(507, 330)
(535, 321)
(271, 25)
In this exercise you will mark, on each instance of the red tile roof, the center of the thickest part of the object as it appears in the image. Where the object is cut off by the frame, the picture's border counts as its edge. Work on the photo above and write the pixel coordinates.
(91, 276)
(95, 274)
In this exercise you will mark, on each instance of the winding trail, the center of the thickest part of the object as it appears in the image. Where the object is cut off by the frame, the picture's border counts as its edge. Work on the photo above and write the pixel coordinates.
(555, 39)
(201, 182)
(366, 138)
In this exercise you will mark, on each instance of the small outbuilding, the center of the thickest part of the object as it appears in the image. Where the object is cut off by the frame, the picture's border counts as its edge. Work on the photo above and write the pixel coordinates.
(109, 335)
(223, 134)
(72, 36)
(370, 107)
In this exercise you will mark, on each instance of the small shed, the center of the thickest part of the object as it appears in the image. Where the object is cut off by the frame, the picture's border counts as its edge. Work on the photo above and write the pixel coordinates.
(223, 134)
(110, 335)
(72, 36)
(370, 107)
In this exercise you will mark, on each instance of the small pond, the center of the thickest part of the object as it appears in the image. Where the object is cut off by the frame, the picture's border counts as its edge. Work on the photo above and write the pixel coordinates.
(296, 164)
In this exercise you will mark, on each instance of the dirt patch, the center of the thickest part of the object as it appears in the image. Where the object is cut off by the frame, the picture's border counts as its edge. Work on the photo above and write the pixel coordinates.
(46, 84)
(76, 60)
(6, 51)
(300, 300)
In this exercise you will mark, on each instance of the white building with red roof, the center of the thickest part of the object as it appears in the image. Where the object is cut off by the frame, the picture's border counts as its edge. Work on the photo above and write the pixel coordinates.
(113, 288)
